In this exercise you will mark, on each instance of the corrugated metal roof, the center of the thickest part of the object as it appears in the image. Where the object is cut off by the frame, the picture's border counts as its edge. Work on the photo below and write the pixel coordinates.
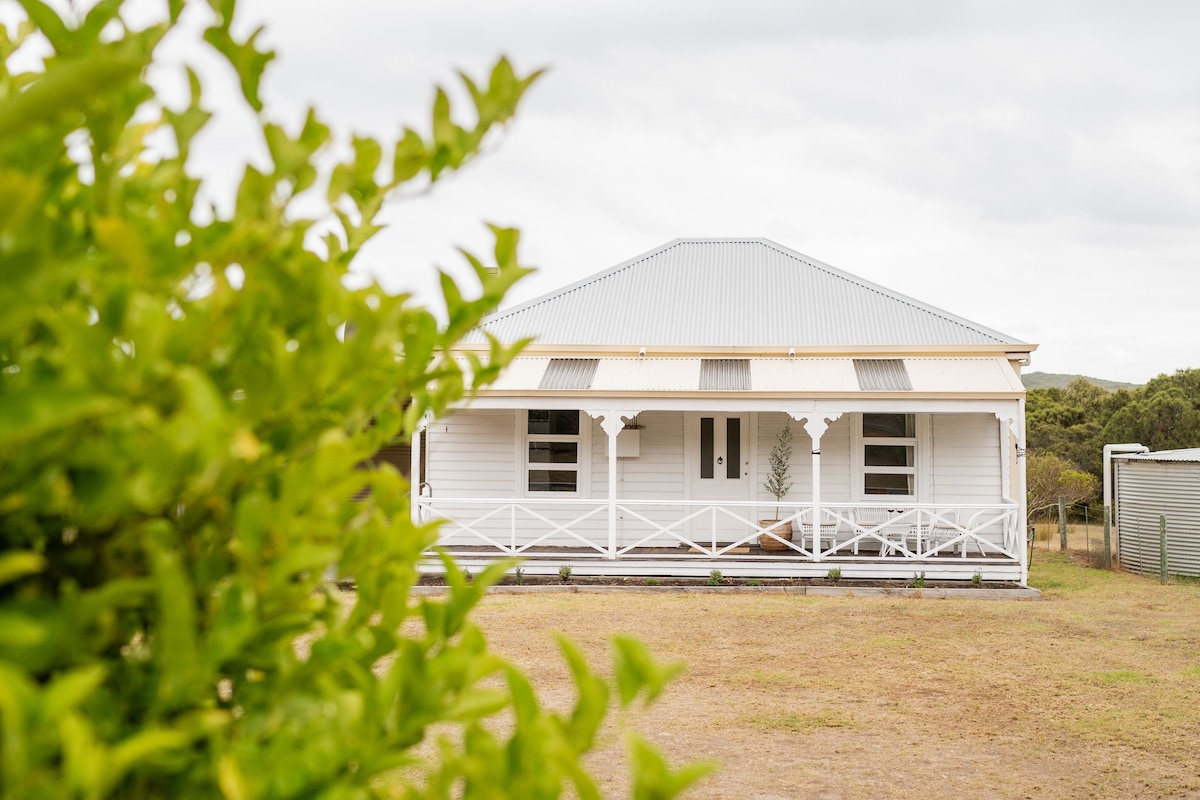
(928, 375)
(725, 374)
(1190, 454)
(882, 375)
(732, 293)
(569, 373)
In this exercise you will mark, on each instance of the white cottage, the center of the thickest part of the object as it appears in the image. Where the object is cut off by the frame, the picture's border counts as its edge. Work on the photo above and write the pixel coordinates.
(632, 438)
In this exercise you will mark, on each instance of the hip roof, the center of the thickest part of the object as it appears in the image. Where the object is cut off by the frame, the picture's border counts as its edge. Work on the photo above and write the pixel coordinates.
(748, 293)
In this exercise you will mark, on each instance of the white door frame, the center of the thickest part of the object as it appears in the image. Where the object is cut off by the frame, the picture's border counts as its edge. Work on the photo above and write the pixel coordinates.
(694, 490)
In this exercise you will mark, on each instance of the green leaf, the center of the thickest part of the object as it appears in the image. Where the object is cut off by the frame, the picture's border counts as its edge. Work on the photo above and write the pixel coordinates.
(653, 777)
(310, 558)
(84, 755)
(122, 240)
(28, 414)
(67, 88)
(444, 129)
(48, 23)
(636, 670)
(21, 633)
(17, 564)
(591, 700)
(144, 746)
(19, 194)
(175, 646)
(18, 698)
(477, 704)
(69, 690)
(246, 59)
(187, 123)
(410, 157)
(100, 15)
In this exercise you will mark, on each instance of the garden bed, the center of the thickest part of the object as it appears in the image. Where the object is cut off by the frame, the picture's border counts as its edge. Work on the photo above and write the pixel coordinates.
(436, 579)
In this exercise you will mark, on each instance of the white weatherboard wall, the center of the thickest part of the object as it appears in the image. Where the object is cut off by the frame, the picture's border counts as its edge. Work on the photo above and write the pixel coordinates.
(1146, 490)
(967, 463)
(966, 459)
(656, 473)
(472, 453)
(835, 460)
(837, 480)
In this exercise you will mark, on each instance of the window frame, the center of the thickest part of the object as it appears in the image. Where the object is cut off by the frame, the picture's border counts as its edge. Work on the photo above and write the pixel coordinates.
(862, 469)
(581, 440)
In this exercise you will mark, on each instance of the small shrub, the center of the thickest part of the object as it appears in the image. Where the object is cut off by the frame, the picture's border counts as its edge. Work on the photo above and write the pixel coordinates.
(467, 576)
(754, 582)
(834, 574)
(519, 574)
(187, 442)
(977, 578)
(714, 578)
(564, 573)
(653, 581)
(918, 581)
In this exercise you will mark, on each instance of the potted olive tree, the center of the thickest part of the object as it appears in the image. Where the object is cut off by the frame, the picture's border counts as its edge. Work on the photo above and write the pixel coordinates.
(778, 483)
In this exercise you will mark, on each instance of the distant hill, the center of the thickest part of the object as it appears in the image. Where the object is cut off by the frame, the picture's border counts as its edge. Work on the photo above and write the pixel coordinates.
(1048, 380)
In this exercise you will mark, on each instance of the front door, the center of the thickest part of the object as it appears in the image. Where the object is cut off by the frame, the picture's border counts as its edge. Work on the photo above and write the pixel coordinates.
(719, 469)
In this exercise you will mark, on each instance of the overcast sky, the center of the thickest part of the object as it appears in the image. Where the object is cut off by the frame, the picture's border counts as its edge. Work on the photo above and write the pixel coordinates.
(1033, 166)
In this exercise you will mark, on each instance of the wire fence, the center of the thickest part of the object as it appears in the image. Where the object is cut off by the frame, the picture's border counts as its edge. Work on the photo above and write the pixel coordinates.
(1085, 528)
(1140, 548)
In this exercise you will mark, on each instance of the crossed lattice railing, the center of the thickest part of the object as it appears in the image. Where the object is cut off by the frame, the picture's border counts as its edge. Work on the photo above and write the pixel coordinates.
(706, 530)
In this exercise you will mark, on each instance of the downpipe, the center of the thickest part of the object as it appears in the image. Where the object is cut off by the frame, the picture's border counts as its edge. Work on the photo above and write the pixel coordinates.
(1112, 541)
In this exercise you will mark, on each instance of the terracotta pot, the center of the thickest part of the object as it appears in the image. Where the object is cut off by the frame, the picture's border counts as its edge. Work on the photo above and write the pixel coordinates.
(784, 531)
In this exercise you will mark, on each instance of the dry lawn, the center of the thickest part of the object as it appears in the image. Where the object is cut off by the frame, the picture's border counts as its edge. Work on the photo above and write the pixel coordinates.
(1092, 692)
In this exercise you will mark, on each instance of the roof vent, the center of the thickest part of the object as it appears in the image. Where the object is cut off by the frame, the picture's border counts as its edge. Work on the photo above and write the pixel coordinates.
(725, 374)
(882, 375)
(569, 373)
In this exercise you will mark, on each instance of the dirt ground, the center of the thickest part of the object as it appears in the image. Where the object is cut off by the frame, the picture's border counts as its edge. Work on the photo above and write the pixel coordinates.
(1092, 692)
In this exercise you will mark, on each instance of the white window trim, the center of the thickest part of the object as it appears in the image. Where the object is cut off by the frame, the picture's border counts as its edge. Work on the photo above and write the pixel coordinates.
(582, 466)
(921, 456)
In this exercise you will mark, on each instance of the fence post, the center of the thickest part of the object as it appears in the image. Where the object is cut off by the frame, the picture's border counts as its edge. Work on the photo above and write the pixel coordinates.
(1162, 547)
(1107, 537)
(1062, 522)
(1087, 531)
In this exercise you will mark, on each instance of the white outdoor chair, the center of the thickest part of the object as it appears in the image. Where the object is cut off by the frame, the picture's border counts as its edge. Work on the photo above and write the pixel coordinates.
(827, 530)
(942, 529)
(894, 535)
(970, 525)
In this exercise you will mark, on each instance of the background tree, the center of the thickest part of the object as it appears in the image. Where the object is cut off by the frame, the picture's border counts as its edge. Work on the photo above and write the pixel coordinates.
(1048, 477)
(1076, 422)
(1165, 415)
(180, 421)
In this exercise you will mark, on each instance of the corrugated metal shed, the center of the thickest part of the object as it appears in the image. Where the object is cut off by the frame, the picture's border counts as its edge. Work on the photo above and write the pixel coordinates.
(732, 293)
(1154, 485)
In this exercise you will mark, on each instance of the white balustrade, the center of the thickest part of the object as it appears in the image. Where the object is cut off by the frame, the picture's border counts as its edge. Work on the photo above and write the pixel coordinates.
(698, 529)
